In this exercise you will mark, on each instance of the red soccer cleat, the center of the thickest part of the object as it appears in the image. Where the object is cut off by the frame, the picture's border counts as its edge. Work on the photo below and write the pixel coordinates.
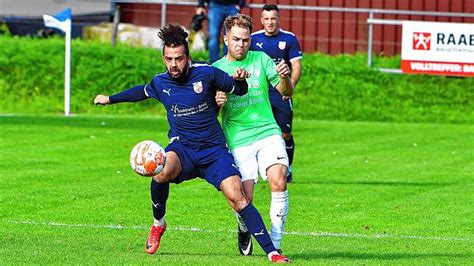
(278, 258)
(153, 241)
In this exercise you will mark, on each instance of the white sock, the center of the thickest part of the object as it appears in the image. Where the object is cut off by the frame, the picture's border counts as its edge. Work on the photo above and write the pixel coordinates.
(161, 222)
(278, 214)
(269, 255)
(241, 222)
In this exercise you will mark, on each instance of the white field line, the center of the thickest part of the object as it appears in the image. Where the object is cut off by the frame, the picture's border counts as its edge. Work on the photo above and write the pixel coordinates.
(194, 229)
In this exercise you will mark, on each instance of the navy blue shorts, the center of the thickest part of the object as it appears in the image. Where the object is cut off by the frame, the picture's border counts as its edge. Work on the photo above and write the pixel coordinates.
(282, 111)
(213, 164)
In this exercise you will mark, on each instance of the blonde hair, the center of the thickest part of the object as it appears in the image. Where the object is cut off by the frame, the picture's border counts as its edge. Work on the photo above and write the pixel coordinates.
(240, 20)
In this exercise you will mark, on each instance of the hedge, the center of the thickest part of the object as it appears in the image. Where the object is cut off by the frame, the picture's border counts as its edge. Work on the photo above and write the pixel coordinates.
(331, 87)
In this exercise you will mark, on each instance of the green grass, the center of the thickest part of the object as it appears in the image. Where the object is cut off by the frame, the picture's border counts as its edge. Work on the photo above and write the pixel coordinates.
(371, 193)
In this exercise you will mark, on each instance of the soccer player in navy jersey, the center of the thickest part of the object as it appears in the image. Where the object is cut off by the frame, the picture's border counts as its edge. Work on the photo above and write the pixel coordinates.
(197, 144)
(280, 45)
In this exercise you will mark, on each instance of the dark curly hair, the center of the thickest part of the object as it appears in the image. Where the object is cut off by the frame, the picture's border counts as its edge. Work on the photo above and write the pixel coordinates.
(174, 36)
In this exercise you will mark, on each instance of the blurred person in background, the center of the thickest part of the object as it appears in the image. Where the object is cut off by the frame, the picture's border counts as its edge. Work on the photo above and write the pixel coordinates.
(218, 10)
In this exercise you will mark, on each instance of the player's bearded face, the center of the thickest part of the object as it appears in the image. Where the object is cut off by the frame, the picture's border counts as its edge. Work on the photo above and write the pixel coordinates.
(238, 42)
(176, 60)
(270, 21)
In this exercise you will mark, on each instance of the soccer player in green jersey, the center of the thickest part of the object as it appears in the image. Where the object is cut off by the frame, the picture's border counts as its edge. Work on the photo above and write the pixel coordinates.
(252, 133)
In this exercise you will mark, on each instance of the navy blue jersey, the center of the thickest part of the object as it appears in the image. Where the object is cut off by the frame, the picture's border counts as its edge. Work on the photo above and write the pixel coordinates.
(283, 45)
(190, 104)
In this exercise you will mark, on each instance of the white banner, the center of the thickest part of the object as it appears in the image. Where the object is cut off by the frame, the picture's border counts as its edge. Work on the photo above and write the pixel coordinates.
(438, 48)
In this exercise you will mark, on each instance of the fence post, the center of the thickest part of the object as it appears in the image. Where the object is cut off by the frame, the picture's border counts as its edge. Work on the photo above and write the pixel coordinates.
(115, 24)
(369, 40)
(163, 13)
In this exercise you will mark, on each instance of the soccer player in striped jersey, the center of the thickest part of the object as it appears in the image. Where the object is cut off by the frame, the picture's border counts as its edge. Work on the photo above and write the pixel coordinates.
(252, 133)
(280, 45)
(197, 144)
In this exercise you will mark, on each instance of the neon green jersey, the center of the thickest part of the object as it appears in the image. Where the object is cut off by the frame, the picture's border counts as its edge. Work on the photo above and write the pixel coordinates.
(248, 118)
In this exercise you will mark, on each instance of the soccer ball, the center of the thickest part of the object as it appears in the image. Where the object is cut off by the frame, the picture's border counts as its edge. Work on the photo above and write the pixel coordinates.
(147, 158)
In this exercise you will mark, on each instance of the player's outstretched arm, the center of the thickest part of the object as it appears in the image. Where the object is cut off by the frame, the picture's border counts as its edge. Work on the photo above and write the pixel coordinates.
(285, 87)
(235, 84)
(134, 94)
(101, 100)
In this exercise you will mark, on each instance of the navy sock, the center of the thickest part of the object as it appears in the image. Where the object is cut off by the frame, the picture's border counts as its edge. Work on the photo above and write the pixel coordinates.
(290, 149)
(159, 196)
(253, 221)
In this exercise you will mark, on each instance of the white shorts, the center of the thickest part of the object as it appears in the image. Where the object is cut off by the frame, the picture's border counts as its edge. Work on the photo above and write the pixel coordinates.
(259, 156)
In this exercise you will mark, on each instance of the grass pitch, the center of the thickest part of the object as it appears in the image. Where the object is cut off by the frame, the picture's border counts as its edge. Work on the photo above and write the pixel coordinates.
(363, 193)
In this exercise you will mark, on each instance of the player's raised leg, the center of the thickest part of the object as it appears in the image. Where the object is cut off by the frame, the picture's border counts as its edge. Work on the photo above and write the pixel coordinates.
(245, 158)
(159, 195)
(233, 191)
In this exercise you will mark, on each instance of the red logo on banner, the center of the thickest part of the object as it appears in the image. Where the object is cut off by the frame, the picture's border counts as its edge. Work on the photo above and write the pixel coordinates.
(421, 41)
